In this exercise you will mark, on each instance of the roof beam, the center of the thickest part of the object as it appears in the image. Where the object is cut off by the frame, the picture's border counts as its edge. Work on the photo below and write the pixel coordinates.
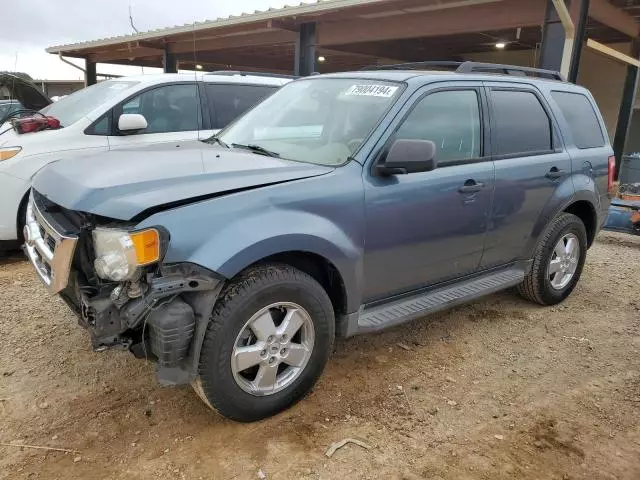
(220, 43)
(614, 17)
(130, 53)
(612, 53)
(134, 50)
(210, 67)
(229, 58)
(449, 21)
(148, 44)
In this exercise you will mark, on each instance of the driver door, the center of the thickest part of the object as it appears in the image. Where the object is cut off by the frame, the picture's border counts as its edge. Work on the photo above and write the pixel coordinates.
(173, 114)
(429, 227)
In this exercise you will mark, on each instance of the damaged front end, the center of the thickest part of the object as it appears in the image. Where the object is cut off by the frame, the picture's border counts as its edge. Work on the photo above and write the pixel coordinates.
(112, 277)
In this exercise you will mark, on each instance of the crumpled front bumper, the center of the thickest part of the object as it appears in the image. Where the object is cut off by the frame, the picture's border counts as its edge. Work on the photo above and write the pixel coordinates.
(164, 318)
(48, 248)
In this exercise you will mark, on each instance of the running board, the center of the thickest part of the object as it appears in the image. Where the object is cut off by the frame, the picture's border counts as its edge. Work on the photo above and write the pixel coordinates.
(406, 309)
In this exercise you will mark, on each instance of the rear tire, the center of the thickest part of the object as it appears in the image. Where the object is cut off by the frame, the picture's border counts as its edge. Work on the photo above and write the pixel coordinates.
(287, 296)
(558, 261)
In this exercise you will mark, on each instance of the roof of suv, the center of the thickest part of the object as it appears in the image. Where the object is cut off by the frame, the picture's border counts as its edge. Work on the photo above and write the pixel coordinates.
(222, 77)
(442, 75)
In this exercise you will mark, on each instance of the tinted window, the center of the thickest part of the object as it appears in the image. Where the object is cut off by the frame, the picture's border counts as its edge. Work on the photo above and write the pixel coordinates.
(581, 117)
(450, 119)
(230, 101)
(101, 127)
(522, 125)
(170, 108)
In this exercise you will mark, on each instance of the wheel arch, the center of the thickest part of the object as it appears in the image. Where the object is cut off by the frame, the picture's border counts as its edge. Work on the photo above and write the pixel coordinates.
(580, 203)
(320, 269)
(586, 212)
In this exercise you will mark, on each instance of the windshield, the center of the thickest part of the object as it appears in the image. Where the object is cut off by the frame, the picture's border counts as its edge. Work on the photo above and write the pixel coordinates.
(72, 108)
(7, 107)
(321, 120)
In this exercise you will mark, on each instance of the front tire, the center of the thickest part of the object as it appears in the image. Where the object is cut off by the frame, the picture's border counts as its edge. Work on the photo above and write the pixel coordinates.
(268, 340)
(558, 261)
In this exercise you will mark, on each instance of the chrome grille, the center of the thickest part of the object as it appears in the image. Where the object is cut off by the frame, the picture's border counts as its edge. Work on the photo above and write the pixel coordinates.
(50, 251)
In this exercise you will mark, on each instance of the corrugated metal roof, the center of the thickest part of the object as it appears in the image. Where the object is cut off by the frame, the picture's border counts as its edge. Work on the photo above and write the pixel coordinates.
(303, 8)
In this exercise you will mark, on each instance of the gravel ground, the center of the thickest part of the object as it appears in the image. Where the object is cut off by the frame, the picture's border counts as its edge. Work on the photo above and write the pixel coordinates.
(498, 389)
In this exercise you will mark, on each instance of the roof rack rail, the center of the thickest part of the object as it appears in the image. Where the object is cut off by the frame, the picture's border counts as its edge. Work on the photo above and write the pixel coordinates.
(475, 67)
(416, 65)
(470, 67)
(245, 73)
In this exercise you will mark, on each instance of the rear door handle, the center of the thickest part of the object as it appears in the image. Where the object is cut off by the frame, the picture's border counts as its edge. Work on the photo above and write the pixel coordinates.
(471, 186)
(555, 173)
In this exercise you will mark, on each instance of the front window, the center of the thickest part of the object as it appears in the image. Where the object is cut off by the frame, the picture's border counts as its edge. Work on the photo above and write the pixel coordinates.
(451, 120)
(72, 108)
(322, 120)
(169, 108)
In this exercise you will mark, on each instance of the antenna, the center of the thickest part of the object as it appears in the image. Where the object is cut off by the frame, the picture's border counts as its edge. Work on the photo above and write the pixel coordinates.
(131, 21)
(13, 80)
(195, 78)
(135, 30)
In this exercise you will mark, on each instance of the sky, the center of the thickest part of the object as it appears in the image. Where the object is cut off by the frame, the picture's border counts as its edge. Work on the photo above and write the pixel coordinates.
(30, 26)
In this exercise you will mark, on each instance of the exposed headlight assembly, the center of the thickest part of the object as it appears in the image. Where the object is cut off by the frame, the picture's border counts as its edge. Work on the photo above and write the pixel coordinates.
(119, 253)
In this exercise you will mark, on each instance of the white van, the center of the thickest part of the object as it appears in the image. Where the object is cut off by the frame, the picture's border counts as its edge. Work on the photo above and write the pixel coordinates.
(120, 113)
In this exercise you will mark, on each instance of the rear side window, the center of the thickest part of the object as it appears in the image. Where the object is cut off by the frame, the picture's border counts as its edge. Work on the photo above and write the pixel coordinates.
(230, 101)
(581, 117)
(522, 126)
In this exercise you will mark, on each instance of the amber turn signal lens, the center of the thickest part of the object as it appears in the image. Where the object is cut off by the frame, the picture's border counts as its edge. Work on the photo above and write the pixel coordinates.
(147, 246)
(7, 153)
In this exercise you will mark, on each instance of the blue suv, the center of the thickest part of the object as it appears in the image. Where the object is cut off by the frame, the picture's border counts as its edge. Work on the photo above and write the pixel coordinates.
(342, 204)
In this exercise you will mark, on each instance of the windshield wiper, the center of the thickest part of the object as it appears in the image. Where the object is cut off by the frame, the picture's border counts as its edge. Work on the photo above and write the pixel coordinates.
(214, 139)
(256, 149)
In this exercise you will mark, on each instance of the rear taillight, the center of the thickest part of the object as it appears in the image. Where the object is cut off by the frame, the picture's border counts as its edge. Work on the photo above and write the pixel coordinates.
(611, 174)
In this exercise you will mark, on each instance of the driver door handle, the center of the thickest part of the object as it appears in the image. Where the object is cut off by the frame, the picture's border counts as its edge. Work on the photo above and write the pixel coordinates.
(471, 186)
(554, 173)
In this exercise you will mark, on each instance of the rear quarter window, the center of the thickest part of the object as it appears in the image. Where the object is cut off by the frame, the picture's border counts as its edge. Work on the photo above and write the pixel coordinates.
(581, 117)
(522, 125)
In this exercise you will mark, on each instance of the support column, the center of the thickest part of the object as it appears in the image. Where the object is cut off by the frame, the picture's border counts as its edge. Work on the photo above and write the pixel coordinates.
(627, 105)
(90, 75)
(305, 56)
(169, 61)
(578, 43)
(552, 39)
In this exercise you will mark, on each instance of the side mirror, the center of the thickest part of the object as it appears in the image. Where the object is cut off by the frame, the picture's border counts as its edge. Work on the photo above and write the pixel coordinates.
(129, 122)
(408, 156)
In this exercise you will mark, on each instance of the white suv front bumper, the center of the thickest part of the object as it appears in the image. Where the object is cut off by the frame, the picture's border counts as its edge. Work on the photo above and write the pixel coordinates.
(12, 190)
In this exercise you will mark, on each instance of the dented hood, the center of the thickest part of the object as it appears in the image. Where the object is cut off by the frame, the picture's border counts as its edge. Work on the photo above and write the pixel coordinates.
(122, 184)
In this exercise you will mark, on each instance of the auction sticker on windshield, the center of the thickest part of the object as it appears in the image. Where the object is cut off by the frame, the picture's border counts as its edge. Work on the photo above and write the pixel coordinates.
(385, 91)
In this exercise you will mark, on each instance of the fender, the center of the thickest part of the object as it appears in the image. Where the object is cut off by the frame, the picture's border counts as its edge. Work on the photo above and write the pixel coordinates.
(563, 196)
(229, 233)
(242, 244)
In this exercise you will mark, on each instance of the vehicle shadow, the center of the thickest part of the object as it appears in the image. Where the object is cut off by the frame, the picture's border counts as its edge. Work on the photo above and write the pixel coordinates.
(11, 256)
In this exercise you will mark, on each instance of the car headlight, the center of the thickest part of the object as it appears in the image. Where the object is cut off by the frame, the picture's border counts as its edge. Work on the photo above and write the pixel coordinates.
(120, 253)
(9, 152)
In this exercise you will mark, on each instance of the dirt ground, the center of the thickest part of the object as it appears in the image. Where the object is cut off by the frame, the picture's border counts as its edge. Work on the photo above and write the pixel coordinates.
(498, 389)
